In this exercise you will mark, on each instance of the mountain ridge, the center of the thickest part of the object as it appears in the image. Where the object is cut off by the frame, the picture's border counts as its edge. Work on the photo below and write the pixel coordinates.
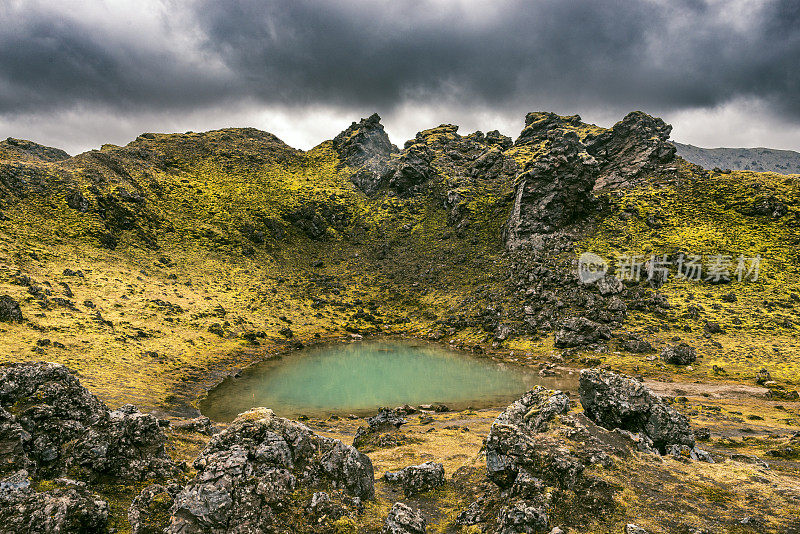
(760, 159)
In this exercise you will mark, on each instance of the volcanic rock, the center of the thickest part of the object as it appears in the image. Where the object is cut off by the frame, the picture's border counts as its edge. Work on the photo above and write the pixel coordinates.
(403, 519)
(616, 401)
(552, 191)
(9, 310)
(680, 354)
(580, 331)
(365, 147)
(418, 478)
(247, 471)
(53, 425)
(635, 147)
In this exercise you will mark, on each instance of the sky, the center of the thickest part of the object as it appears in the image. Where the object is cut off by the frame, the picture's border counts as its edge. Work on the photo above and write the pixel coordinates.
(76, 75)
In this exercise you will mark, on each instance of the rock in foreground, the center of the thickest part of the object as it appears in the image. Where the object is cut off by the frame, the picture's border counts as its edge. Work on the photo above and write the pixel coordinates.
(616, 401)
(52, 426)
(418, 478)
(247, 472)
(403, 519)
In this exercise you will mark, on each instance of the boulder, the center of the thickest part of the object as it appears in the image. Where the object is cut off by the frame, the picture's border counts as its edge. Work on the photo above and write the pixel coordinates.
(246, 472)
(9, 310)
(124, 443)
(403, 519)
(636, 344)
(511, 445)
(579, 332)
(385, 421)
(680, 354)
(617, 401)
(417, 478)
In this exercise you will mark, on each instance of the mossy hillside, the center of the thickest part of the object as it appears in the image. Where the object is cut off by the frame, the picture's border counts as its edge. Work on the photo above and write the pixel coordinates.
(227, 253)
(705, 215)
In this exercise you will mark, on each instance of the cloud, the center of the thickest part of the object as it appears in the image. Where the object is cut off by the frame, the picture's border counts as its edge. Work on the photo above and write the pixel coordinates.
(443, 60)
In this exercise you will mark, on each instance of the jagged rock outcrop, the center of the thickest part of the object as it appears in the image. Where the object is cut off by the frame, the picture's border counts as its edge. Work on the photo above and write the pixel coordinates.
(552, 191)
(538, 125)
(51, 425)
(417, 478)
(247, 471)
(410, 170)
(403, 519)
(365, 147)
(617, 401)
(633, 148)
(441, 151)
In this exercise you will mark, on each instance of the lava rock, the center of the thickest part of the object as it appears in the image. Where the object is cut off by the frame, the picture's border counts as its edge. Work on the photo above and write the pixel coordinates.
(247, 471)
(385, 421)
(680, 354)
(201, 424)
(411, 169)
(763, 376)
(616, 401)
(510, 446)
(62, 510)
(552, 191)
(149, 511)
(636, 146)
(9, 310)
(471, 516)
(522, 517)
(57, 426)
(609, 285)
(365, 147)
(580, 331)
(403, 519)
(418, 478)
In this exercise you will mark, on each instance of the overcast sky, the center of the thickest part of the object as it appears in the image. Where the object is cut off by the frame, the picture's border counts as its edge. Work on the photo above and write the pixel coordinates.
(78, 74)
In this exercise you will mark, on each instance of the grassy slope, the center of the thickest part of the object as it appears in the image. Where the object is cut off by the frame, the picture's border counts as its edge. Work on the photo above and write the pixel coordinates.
(700, 216)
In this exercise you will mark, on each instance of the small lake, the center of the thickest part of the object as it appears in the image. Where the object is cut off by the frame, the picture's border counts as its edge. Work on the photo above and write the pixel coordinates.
(360, 377)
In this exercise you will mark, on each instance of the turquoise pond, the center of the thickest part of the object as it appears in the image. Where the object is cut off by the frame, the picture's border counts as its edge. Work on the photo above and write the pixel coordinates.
(359, 377)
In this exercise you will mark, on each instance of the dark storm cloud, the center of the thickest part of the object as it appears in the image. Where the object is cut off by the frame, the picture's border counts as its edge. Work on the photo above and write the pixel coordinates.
(620, 53)
(614, 55)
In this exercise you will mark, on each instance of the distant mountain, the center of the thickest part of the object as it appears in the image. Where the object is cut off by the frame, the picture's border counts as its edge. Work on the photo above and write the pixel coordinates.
(745, 159)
